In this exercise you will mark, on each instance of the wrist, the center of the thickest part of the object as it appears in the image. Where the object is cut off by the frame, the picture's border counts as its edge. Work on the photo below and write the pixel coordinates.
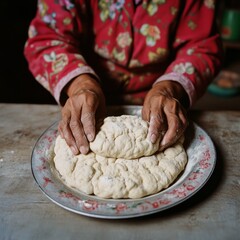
(82, 82)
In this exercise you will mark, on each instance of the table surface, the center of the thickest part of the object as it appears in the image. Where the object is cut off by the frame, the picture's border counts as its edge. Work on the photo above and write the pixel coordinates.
(25, 212)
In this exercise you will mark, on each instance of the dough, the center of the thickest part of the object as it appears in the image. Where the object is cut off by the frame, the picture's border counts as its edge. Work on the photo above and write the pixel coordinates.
(119, 177)
(123, 137)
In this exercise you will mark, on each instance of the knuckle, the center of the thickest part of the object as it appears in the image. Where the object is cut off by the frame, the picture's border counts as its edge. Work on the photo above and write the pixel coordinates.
(69, 140)
(88, 96)
(157, 117)
(68, 104)
(74, 124)
(62, 126)
(155, 124)
(173, 117)
(88, 116)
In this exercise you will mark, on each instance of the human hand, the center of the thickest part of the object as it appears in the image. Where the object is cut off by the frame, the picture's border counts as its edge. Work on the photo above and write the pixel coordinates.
(166, 115)
(84, 106)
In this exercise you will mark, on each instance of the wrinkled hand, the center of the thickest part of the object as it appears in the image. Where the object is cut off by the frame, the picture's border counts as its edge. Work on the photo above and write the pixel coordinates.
(162, 108)
(84, 106)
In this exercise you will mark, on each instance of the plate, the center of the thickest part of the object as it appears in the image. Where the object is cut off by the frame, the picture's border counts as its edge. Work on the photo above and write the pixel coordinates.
(201, 162)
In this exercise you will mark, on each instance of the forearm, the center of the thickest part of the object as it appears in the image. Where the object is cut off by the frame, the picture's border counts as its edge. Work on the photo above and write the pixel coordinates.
(52, 48)
(197, 50)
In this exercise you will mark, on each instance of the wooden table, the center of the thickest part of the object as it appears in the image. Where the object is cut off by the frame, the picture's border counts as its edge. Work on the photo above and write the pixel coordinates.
(25, 212)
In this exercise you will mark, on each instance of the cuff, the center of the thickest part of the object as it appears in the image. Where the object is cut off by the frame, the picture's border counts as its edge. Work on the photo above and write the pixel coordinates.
(67, 78)
(184, 81)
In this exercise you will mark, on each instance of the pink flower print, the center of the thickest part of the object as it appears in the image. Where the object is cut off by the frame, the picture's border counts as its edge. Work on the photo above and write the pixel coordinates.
(124, 39)
(32, 32)
(66, 195)
(66, 4)
(143, 207)
(180, 192)
(201, 137)
(204, 164)
(207, 155)
(41, 168)
(194, 176)
(46, 181)
(159, 203)
(69, 196)
(43, 160)
(190, 187)
(155, 204)
(120, 207)
(109, 8)
(50, 20)
(164, 202)
(151, 32)
(184, 68)
(59, 63)
(90, 205)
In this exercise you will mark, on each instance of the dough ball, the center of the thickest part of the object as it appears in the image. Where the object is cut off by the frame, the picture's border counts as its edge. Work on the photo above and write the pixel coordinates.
(123, 137)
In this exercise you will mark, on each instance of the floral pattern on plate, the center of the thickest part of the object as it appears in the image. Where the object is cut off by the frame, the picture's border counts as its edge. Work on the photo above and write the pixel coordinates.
(201, 162)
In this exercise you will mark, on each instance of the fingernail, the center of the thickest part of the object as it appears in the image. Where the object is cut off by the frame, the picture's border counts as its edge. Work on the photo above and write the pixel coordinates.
(153, 138)
(84, 150)
(74, 150)
(90, 137)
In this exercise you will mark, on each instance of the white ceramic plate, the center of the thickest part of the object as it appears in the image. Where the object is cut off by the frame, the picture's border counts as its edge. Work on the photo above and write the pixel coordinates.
(201, 162)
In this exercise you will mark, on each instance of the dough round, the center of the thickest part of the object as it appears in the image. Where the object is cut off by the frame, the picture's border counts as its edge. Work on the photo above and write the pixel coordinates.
(123, 137)
(119, 178)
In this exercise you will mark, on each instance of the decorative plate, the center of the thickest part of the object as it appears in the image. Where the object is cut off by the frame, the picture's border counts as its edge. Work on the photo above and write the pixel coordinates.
(201, 162)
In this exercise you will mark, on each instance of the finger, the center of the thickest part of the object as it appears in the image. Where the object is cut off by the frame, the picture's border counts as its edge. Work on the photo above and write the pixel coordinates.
(66, 133)
(78, 134)
(173, 129)
(157, 125)
(60, 130)
(183, 118)
(146, 112)
(89, 125)
(153, 113)
(88, 118)
(75, 125)
(174, 124)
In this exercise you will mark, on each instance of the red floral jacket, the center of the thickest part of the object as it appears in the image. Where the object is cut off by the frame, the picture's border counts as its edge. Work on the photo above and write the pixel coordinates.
(127, 44)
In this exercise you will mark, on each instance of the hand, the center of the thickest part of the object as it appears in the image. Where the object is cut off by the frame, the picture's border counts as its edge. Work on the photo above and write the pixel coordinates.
(162, 108)
(84, 106)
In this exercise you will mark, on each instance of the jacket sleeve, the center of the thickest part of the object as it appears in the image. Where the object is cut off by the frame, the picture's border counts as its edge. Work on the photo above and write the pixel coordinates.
(52, 48)
(197, 47)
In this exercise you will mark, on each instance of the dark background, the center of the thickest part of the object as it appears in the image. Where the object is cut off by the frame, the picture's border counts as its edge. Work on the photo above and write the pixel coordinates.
(16, 82)
(17, 85)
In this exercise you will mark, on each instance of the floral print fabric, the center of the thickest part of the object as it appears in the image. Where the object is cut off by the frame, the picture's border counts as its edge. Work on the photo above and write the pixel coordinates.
(127, 44)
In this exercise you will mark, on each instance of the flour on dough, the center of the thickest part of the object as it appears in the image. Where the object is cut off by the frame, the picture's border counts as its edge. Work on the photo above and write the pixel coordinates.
(118, 177)
(124, 137)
